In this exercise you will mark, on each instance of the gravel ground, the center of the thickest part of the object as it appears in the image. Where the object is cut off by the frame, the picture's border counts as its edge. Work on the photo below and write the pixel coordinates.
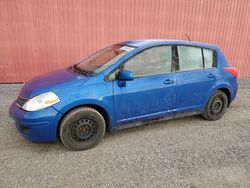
(186, 152)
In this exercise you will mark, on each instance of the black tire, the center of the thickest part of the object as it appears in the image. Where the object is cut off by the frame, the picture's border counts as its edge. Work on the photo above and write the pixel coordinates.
(216, 106)
(82, 128)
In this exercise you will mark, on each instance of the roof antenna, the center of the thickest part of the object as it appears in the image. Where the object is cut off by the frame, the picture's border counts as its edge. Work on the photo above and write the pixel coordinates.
(188, 37)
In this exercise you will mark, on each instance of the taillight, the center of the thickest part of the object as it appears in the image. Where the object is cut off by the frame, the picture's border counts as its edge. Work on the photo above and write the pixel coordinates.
(232, 70)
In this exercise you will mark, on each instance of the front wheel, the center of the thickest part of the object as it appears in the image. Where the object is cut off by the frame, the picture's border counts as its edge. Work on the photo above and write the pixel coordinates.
(82, 128)
(216, 106)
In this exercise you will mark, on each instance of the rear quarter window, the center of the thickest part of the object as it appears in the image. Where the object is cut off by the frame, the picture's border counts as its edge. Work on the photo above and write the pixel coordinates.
(208, 58)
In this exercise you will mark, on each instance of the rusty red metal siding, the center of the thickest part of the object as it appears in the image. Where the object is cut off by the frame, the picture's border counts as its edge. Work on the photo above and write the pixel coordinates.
(40, 36)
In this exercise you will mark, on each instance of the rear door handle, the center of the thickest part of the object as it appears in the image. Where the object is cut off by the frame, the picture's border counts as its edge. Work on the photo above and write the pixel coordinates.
(168, 81)
(210, 75)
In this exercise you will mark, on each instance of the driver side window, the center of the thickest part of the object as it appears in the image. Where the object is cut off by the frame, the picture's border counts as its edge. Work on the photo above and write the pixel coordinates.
(153, 61)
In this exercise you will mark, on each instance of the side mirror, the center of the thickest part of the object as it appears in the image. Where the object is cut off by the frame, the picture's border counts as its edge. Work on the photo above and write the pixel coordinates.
(125, 75)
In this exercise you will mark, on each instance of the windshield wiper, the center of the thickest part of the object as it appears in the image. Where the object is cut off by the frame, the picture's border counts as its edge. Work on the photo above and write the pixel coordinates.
(81, 71)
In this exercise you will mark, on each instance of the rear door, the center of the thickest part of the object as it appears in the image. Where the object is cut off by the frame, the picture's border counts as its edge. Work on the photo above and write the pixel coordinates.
(195, 77)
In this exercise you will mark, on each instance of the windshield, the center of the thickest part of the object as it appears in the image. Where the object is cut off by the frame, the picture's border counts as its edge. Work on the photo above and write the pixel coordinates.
(103, 58)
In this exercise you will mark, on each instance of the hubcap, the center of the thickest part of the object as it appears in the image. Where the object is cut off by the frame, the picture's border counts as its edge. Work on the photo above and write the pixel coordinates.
(83, 129)
(217, 105)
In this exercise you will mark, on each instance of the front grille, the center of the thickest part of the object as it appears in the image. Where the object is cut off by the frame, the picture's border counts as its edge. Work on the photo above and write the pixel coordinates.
(21, 101)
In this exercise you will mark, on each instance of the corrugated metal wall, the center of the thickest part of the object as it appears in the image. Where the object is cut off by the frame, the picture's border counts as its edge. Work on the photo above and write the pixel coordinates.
(43, 35)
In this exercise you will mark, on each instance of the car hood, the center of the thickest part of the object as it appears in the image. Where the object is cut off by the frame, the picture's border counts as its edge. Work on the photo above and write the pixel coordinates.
(52, 81)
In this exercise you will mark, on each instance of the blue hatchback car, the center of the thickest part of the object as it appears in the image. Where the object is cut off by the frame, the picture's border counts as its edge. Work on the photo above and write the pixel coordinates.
(128, 82)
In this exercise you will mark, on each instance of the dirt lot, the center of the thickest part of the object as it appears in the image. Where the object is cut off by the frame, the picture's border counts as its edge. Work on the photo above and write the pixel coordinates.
(186, 152)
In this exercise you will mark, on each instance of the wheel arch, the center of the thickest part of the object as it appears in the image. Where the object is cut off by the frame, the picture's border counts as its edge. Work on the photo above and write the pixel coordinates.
(99, 108)
(227, 92)
(224, 88)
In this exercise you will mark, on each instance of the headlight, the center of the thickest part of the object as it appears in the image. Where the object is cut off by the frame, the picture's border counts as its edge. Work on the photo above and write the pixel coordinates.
(41, 101)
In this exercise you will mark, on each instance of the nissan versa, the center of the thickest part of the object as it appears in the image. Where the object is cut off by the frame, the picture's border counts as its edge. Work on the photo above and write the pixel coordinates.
(128, 82)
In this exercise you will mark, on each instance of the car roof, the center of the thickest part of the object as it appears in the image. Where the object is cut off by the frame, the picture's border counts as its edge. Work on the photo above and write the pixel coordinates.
(155, 42)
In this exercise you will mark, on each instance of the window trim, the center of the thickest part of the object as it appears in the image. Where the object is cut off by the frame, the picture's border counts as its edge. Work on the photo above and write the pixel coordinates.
(203, 59)
(215, 56)
(196, 70)
(122, 64)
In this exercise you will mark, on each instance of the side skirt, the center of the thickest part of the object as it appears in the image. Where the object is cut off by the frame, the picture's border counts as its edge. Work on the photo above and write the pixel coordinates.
(139, 123)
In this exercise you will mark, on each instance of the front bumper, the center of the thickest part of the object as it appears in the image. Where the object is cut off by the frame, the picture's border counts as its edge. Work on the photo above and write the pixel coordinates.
(38, 126)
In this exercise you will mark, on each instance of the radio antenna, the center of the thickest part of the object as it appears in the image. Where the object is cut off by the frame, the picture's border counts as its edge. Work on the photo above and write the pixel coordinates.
(188, 37)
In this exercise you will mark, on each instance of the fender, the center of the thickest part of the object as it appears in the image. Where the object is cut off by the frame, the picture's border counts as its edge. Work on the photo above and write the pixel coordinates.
(78, 103)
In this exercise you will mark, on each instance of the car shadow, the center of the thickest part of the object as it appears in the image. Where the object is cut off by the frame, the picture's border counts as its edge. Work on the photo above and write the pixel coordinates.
(159, 124)
(57, 147)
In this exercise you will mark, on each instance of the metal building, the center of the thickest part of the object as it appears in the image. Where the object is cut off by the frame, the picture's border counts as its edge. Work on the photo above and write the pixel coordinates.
(40, 36)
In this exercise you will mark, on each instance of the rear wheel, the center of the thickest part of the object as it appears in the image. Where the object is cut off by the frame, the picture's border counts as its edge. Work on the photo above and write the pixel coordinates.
(82, 128)
(216, 106)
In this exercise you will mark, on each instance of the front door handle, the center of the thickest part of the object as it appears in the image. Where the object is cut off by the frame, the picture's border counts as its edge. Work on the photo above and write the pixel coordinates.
(168, 81)
(210, 75)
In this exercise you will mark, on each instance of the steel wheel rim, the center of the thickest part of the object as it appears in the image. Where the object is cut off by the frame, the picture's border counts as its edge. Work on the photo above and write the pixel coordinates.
(217, 105)
(83, 129)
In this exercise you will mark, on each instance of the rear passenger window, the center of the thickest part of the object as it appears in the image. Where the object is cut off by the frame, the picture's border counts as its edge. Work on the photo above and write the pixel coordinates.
(208, 58)
(190, 58)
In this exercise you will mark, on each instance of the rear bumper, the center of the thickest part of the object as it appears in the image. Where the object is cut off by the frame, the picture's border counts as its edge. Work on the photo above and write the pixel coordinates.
(38, 126)
(233, 89)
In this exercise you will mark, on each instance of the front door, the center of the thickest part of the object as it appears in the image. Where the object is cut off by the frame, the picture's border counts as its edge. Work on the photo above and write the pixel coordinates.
(152, 93)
